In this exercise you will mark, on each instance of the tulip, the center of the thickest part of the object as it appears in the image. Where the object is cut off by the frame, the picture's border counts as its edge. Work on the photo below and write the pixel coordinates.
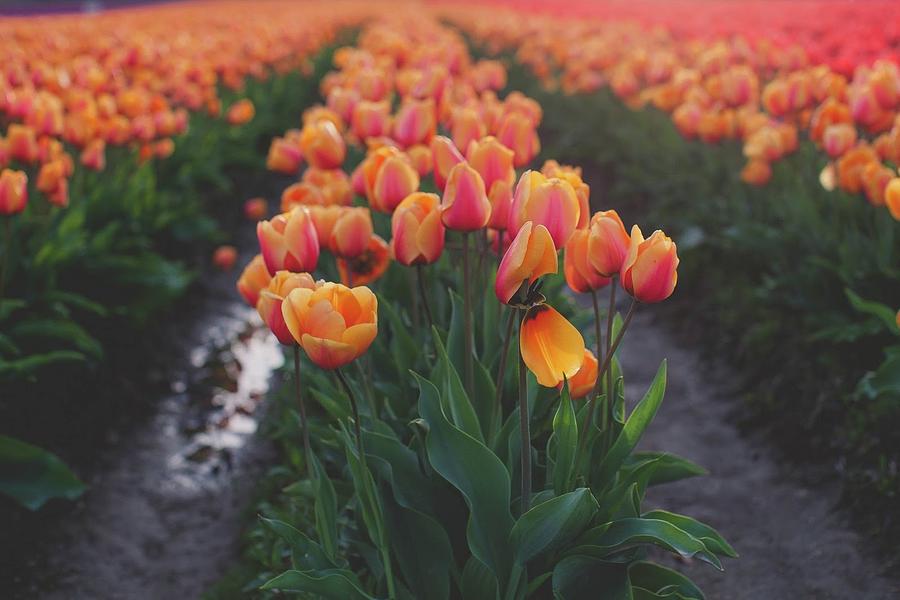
(317, 113)
(756, 172)
(322, 145)
(301, 194)
(415, 122)
(582, 382)
(417, 233)
(351, 232)
(420, 158)
(368, 266)
(289, 242)
(580, 274)
(552, 168)
(891, 197)
(465, 206)
(333, 183)
(13, 191)
(241, 112)
(530, 255)
(395, 180)
(838, 138)
(284, 156)
(371, 119)
(445, 156)
(333, 324)
(94, 155)
(343, 102)
(22, 143)
(608, 243)
(550, 202)
(272, 297)
(467, 127)
(517, 132)
(875, 177)
(650, 270)
(552, 348)
(501, 199)
(224, 257)
(253, 279)
(255, 209)
(493, 161)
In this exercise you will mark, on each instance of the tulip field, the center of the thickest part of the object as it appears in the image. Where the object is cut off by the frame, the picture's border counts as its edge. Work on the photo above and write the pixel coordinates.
(356, 300)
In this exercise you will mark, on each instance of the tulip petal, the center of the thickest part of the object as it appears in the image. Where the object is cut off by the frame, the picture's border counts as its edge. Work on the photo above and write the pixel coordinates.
(552, 348)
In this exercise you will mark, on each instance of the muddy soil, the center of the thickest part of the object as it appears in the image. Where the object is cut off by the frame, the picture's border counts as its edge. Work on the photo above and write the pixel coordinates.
(781, 519)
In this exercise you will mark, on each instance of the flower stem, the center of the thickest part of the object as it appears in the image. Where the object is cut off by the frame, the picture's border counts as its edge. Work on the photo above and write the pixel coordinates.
(467, 318)
(610, 317)
(524, 428)
(7, 246)
(507, 339)
(304, 424)
(415, 299)
(420, 278)
(356, 425)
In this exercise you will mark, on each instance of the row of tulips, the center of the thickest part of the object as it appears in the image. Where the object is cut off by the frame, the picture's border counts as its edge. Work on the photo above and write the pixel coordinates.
(741, 85)
(476, 467)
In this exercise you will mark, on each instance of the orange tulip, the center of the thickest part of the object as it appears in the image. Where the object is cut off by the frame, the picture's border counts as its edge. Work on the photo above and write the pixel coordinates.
(285, 156)
(272, 297)
(417, 233)
(371, 119)
(351, 232)
(517, 132)
(22, 143)
(94, 155)
(552, 168)
(493, 161)
(650, 270)
(343, 102)
(241, 112)
(838, 138)
(224, 257)
(582, 383)
(13, 191)
(322, 145)
(891, 197)
(289, 242)
(255, 209)
(368, 266)
(334, 185)
(300, 194)
(395, 180)
(415, 122)
(756, 172)
(501, 198)
(445, 156)
(550, 202)
(465, 206)
(551, 347)
(253, 279)
(467, 127)
(324, 218)
(530, 255)
(851, 164)
(420, 158)
(580, 274)
(608, 243)
(333, 324)
(875, 177)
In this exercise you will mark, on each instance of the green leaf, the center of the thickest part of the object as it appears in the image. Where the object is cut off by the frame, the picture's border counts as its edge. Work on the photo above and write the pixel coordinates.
(884, 314)
(336, 584)
(404, 348)
(669, 467)
(28, 365)
(31, 476)
(565, 435)
(454, 393)
(456, 336)
(306, 554)
(588, 578)
(617, 536)
(477, 581)
(480, 477)
(60, 330)
(663, 581)
(602, 476)
(325, 508)
(706, 534)
(551, 525)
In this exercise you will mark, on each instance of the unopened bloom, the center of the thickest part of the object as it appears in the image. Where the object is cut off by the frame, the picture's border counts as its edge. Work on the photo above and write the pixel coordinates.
(241, 112)
(351, 232)
(371, 119)
(551, 202)
(224, 257)
(289, 242)
(94, 155)
(838, 138)
(608, 243)
(333, 324)
(255, 209)
(650, 270)
(530, 255)
(756, 172)
(272, 297)
(301, 194)
(518, 133)
(417, 233)
(253, 279)
(467, 127)
(582, 382)
(465, 206)
(13, 191)
(394, 179)
(445, 156)
(493, 161)
(415, 122)
(891, 197)
(579, 272)
(285, 155)
(552, 348)
(322, 145)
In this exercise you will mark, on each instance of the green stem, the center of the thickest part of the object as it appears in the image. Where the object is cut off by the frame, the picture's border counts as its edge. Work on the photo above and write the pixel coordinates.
(304, 424)
(388, 572)
(501, 373)
(524, 428)
(420, 278)
(416, 317)
(467, 318)
(356, 425)
(7, 246)
(610, 317)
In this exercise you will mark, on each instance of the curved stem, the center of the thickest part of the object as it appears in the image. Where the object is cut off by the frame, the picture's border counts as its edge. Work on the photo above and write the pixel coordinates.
(501, 373)
(524, 429)
(420, 277)
(304, 424)
(467, 318)
(356, 425)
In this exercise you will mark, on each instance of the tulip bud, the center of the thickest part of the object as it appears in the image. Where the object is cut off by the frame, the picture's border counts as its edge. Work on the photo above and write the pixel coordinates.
(241, 112)
(582, 382)
(530, 255)
(580, 274)
(272, 298)
(284, 156)
(420, 158)
(551, 347)
(322, 145)
(13, 191)
(94, 155)
(550, 202)
(255, 209)
(467, 127)
(756, 172)
(492, 160)
(289, 242)
(253, 279)
(608, 243)
(445, 156)
(517, 132)
(395, 180)
(501, 199)
(415, 122)
(351, 232)
(301, 194)
(838, 138)
(22, 143)
(650, 270)
(465, 206)
(371, 119)
(417, 233)
(333, 323)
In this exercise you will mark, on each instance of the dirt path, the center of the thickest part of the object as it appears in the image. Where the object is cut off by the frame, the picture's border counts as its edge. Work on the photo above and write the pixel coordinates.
(792, 543)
